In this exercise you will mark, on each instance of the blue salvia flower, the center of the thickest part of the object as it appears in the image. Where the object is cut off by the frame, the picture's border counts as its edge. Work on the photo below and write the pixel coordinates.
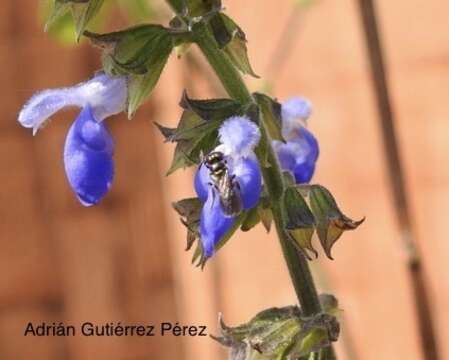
(89, 147)
(238, 137)
(300, 152)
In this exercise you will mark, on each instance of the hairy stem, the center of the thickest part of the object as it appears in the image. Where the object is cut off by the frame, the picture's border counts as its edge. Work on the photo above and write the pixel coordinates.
(225, 70)
(297, 264)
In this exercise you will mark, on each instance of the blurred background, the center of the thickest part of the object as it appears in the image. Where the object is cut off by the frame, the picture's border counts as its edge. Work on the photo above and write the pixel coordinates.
(124, 260)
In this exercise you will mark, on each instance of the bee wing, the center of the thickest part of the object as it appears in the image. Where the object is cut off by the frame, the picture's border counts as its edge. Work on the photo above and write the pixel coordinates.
(230, 200)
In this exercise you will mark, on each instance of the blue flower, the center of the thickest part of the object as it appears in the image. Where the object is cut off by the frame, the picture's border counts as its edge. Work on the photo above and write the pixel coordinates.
(300, 152)
(238, 137)
(89, 148)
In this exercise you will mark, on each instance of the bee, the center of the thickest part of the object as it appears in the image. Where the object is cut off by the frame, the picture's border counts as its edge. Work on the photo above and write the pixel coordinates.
(225, 184)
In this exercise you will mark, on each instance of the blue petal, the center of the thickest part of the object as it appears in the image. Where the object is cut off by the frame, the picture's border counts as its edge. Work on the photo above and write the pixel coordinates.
(296, 108)
(299, 155)
(303, 172)
(105, 94)
(286, 156)
(294, 113)
(314, 149)
(201, 183)
(213, 223)
(249, 178)
(88, 159)
(239, 136)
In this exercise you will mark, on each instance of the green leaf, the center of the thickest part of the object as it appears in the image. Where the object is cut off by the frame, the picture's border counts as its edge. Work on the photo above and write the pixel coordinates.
(197, 130)
(232, 40)
(190, 127)
(83, 11)
(212, 108)
(330, 221)
(135, 49)
(188, 152)
(197, 8)
(299, 220)
(140, 86)
(271, 116)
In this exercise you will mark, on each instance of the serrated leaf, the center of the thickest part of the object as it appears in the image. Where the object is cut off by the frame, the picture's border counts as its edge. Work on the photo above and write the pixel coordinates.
(190, 126)
(330, 221)
(83, 12)
(232, 40)
(211, 109)
(271, 116)
(197, 130)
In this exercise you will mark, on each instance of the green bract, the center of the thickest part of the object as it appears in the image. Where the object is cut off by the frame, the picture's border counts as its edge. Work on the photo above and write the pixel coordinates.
(83, 11)
(282, 333)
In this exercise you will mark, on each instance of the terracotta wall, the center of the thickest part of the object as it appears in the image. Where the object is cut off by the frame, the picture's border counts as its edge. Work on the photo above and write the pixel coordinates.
(125, 260)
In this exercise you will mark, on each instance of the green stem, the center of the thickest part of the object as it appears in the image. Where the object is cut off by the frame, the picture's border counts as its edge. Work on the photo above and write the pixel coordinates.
(232, 81)
(296, 262)
(225, 70)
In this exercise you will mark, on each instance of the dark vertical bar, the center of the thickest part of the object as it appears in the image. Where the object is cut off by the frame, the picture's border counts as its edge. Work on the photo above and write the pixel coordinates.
(417, 278)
